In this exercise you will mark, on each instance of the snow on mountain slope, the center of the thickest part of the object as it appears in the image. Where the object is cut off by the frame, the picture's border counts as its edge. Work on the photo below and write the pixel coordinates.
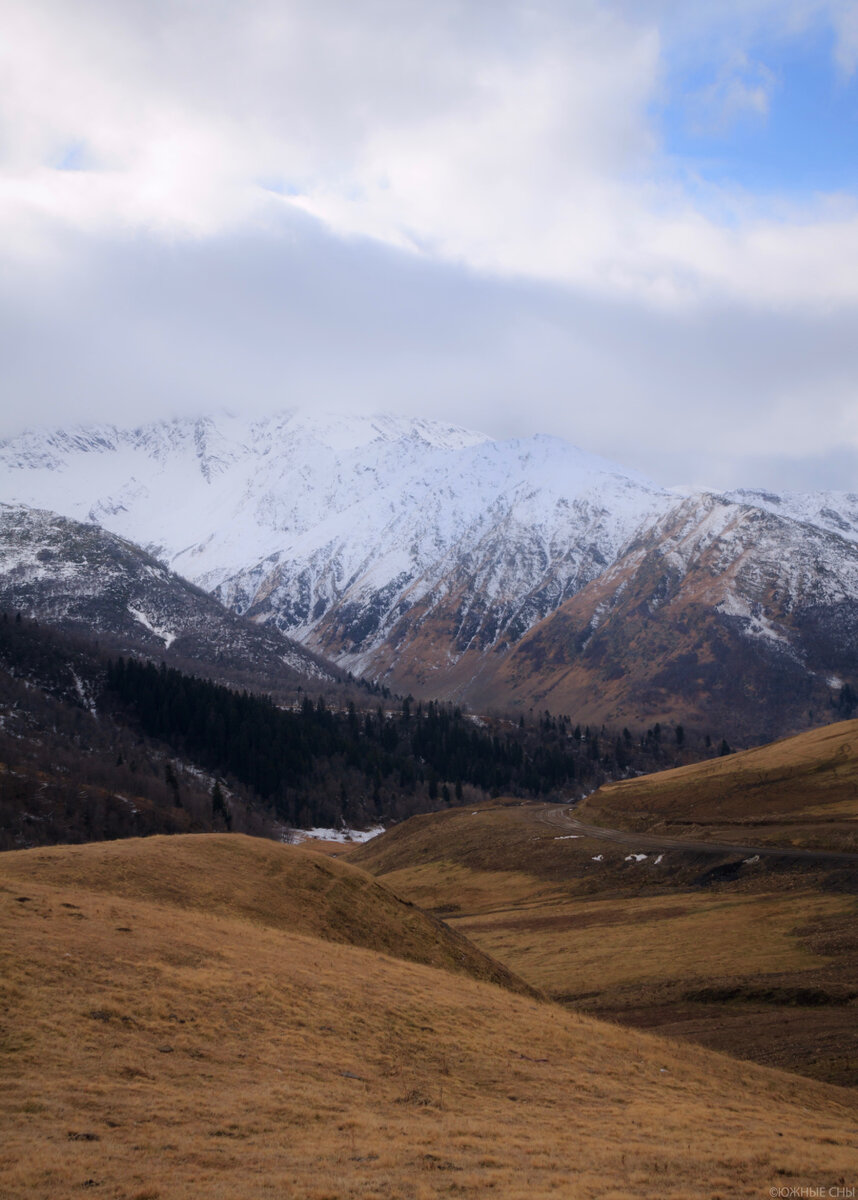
(82, 578)
(424, 554)
(723, 614)
(835, 512)
(343, 522)
(213, 496)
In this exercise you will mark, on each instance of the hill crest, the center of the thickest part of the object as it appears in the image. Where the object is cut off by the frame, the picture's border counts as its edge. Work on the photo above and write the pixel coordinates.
(270, 884)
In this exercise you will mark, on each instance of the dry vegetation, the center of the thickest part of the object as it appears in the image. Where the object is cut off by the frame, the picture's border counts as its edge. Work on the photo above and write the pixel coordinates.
(760, 961)
(265, 883)
(626, 943)
(800, 791)
(162, 1041)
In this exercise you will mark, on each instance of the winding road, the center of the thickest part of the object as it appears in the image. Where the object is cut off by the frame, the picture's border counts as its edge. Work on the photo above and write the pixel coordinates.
(562, 818)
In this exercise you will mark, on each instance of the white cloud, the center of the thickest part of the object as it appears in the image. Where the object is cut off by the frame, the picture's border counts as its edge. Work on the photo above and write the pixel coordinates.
(741, 89)
(158, 159)
(844, 16)
(513, 138)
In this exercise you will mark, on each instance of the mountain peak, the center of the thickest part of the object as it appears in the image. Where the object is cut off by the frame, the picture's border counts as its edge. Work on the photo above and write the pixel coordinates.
(423, 553)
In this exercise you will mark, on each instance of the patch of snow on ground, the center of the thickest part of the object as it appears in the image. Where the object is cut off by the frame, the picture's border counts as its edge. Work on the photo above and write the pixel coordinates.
(658, 860)
(85, 699)
(568, 837)
(635, 857)
(337, 835)
(758, 625)
(598, 857)
(166, 635)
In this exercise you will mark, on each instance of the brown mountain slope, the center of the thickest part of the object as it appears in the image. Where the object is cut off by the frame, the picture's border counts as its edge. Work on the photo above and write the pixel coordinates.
(800, 791)
(152, 1049)
(710, 620)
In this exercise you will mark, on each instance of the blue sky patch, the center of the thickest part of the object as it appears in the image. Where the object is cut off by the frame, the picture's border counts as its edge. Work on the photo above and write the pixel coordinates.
(779, 118)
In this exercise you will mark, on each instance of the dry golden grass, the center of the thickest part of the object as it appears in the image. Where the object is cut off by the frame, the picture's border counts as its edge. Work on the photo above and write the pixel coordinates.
(155, 1049)
(799, 791)
(596, 945)
(265, 882)
(505, 849)
(640, 942)
(432, 885)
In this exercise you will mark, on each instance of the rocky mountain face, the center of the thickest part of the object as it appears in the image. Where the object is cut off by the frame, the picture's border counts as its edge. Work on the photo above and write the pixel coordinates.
(721, 614)
(333, 528)
(439, 561)
(82, 579)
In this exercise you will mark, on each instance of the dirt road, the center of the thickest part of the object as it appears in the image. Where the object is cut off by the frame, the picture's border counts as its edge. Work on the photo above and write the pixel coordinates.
(562, 818)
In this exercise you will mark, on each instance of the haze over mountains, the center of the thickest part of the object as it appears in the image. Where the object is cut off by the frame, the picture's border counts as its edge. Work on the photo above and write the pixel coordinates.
(442, 562)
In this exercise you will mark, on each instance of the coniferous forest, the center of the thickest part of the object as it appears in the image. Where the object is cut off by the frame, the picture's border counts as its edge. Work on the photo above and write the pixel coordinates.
(317, 765)
(95, 748)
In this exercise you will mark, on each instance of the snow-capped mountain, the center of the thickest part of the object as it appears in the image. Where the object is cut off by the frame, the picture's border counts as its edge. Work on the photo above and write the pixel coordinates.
(83, 579)
(214, 497)
(436, 559)
(721, 614)
(835, 512)
(332, 528)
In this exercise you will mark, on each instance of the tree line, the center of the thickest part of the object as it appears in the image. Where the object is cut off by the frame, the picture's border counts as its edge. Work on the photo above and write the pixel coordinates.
(93, 748)
(316, 765)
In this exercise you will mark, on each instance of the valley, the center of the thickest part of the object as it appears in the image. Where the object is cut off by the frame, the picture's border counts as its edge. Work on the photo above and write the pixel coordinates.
(599, 948)
(428, 600)
(743, 948)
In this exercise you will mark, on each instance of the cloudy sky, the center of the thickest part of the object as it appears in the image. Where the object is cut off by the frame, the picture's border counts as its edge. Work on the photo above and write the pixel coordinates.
(633, 224)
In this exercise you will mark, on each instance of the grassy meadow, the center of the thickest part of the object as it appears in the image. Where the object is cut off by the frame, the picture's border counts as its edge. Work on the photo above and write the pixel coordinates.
(161, 1040)
(760, 960)
(800, 791)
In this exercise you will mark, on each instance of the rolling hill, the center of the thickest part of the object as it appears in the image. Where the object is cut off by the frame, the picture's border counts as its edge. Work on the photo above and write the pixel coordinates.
(263, 882)
(159, 1040)
(800, 791)
(752, 953)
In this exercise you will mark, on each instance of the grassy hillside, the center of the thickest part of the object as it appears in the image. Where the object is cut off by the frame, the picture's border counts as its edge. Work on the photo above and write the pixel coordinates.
(161, 1042)
(282, 887)
(799, 791)
(752, 955)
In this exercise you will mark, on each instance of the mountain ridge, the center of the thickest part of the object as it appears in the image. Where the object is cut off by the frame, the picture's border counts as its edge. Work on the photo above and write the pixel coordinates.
(83, 579)
(430, 558)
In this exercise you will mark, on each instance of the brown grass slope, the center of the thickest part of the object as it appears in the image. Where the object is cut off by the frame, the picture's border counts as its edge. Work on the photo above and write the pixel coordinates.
(800, 791)
(283, 887)
(760, 959)
(153, 1050)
